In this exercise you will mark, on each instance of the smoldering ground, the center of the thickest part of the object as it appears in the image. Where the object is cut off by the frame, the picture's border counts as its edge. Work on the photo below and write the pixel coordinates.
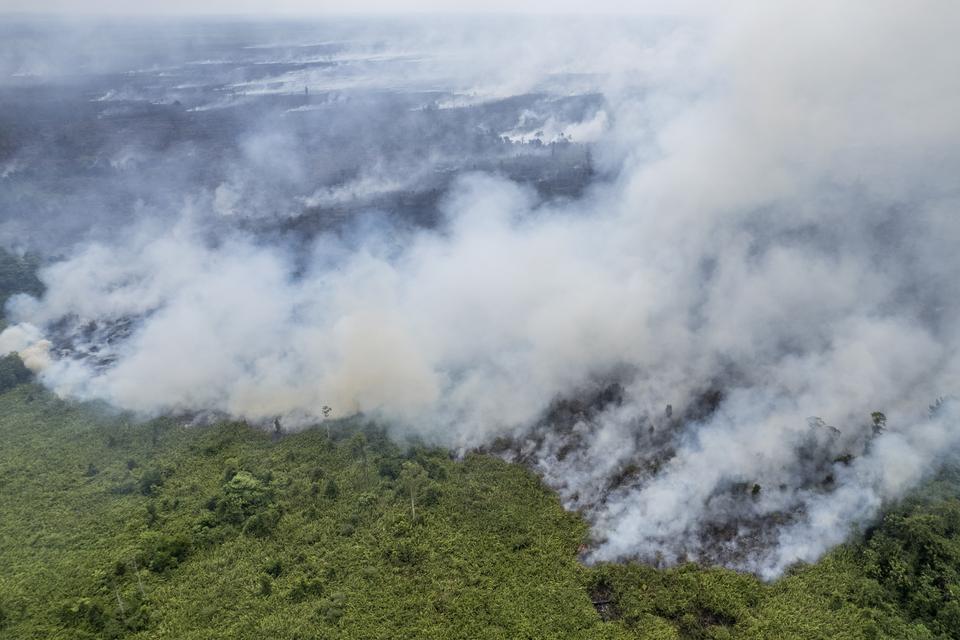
(761, 236)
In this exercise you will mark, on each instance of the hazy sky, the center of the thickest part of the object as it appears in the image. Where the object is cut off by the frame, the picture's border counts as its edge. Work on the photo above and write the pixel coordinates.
(168, 7)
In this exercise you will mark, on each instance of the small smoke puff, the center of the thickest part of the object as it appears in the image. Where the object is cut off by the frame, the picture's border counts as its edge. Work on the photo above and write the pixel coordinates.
(36, 357)
(27, 340)
(18, 337)
(226, 199)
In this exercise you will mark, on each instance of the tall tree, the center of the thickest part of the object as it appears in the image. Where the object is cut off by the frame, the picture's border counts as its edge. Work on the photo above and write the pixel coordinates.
(412, 475)
(358, 447)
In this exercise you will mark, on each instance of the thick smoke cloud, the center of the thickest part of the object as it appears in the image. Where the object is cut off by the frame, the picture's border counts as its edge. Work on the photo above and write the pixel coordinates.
(689, 349)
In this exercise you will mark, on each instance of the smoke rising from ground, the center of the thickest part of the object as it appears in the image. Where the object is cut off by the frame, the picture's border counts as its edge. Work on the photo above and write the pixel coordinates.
(771, 252)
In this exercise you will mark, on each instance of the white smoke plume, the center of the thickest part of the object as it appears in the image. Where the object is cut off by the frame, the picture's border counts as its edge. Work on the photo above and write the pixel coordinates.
(774, 260)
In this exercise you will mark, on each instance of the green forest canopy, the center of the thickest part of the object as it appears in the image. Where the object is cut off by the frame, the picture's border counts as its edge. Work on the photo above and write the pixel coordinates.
(113, 529)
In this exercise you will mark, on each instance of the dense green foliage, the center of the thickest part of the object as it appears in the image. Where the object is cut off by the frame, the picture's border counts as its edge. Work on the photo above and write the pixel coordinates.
(112, 529)
(12, 372)
(914, 554)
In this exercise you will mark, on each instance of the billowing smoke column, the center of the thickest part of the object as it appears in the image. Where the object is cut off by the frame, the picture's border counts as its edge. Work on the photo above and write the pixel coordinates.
(690, 352)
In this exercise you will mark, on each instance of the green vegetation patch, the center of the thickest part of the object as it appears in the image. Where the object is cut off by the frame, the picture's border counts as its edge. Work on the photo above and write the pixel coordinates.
(114, 529)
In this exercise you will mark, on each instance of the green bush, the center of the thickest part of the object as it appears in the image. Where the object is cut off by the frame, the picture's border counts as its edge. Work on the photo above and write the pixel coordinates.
(389, 468)
(83, 613)
(12, 372)
(331, 490)
(241, 497)
(405, 552)
(261, 524)
(331, 609)
(161, 552)
(150, 481)
(305, 588)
